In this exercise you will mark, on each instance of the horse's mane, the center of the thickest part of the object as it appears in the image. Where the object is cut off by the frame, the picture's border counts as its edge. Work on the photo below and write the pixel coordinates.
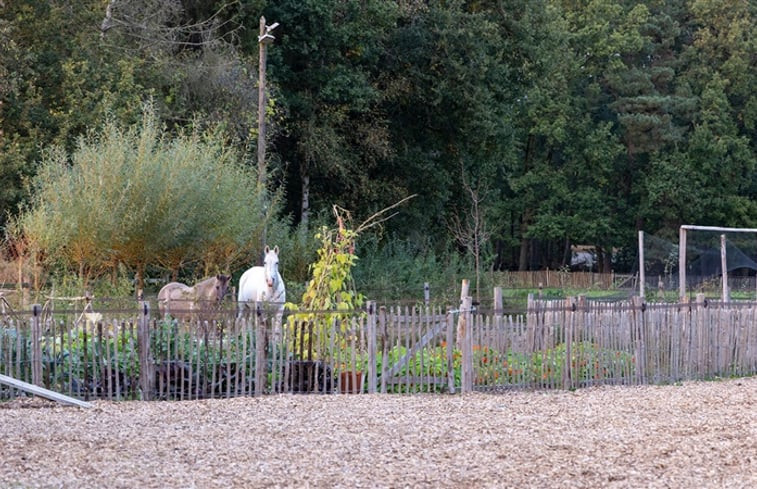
(204, 282)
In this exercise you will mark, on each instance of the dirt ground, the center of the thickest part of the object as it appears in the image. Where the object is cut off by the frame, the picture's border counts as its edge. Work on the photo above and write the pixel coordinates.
(695, 435)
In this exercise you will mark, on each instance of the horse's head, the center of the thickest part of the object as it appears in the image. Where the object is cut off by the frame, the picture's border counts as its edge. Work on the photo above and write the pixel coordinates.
(271, 267)
(221, 286)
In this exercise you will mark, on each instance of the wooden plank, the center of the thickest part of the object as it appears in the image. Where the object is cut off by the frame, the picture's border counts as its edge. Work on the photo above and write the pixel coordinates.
(260, 371)
(465, 285)
(464, 328)
(384, 346)
(107, 368)
(146, 369)
(36, 347)
(69, 342)
(41, 392)
(210, 363)
(408, 334)
(372, 383)
(117, 329)
(450, 354)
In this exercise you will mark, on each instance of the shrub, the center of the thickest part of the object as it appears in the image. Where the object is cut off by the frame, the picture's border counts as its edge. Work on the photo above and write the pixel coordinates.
(135, 197)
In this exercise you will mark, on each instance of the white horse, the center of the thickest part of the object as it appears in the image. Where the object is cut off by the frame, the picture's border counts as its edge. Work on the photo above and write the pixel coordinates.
(263, 287)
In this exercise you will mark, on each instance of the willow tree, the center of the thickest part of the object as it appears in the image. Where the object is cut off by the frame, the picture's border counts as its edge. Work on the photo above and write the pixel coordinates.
(139, 197)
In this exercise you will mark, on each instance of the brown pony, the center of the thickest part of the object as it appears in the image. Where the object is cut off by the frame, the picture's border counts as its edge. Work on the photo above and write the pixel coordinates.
(184, 302)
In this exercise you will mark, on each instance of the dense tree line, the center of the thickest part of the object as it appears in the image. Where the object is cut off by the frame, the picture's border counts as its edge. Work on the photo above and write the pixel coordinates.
(523, 126)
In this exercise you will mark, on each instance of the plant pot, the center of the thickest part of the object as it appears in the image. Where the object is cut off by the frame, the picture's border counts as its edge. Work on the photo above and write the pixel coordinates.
(350, 382)
(308, 376)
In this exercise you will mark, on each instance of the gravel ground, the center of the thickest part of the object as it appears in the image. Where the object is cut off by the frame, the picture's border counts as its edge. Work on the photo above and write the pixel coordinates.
(695, 435)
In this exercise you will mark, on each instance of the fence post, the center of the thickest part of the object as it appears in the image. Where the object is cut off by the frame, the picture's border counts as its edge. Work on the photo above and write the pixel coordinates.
(146, 367)
(450, 353)
(703, 337)
(384, 347)
(641, 347)
(463, 294)
(642, 277)
(499, 311)
(372, 381)
(498, 301)
(724, 269)
(426, 293)
(464, 327)
(532, 318)
(260, 369)
(569, 328)
(36, 347)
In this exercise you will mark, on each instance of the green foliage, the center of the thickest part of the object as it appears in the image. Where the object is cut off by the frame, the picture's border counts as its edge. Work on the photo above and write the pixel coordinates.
(589, 364)
(330, 297)
(78, 358)
(132, 197)
(118, 285)
(586, 120)
(493, 368)
(75, 360)
(326, 64)
(429, 362)
(397, 270)
(331, 286)
(450, 95)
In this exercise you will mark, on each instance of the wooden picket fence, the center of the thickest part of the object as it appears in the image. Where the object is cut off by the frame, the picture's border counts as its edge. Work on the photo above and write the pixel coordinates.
(128, 353)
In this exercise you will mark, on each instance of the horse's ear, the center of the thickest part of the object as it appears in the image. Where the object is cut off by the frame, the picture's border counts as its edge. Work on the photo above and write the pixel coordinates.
(267, 249)
(276, 249)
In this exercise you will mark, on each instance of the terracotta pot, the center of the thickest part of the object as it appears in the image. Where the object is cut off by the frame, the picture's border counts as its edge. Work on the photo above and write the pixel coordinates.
(350, 382)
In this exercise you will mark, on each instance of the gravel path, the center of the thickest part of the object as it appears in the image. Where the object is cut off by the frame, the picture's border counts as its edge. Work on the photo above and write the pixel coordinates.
(696, 435)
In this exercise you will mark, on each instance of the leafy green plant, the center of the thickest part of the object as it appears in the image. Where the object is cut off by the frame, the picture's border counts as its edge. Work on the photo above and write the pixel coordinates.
(330, 297)
(398, 270)
(429, 363)
(77, 359)
(589, 363)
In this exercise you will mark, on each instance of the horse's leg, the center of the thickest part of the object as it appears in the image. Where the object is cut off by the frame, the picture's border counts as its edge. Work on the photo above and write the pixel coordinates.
(241, 309)
(276, 323)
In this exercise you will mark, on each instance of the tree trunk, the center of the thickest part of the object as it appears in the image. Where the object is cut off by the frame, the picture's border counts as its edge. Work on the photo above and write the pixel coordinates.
(523, 257)
(139, 277)
(604, 260)
(305, 208)
(525, 243)
(567, 256)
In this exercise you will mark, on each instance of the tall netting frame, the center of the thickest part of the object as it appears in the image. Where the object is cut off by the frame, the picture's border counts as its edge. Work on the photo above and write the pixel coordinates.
(737, 251)
(717, 261)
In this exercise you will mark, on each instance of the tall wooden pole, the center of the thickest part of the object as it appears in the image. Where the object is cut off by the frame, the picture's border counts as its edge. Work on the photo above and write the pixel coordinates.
(642, 275)
(682, 264)
(724, 268)
(682, 248)
(262, 43)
